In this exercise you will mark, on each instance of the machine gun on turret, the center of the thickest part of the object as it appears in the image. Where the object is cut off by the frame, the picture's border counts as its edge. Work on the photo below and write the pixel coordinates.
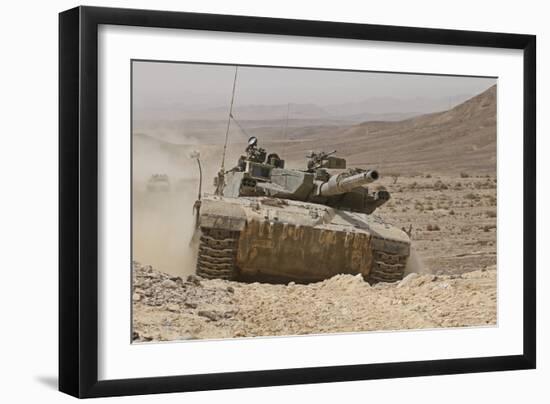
(321, 159)
(253, 152)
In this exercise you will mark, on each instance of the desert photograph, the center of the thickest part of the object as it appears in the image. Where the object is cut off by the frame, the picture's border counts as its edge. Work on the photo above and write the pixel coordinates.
(275, 201)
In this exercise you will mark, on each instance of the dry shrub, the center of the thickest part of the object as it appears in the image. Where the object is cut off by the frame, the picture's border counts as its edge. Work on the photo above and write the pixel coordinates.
(488, 227)
(491, 200)
(440, 185)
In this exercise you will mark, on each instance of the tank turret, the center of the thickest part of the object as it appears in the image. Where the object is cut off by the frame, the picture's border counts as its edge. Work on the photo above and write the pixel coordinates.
(255, 175)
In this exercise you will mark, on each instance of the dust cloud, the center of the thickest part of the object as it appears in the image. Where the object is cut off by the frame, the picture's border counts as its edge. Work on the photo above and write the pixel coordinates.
(163, 225)
(163, 221)
(416, 264)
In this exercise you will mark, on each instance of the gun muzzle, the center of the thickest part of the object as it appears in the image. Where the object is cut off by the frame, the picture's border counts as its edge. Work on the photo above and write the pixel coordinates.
(340, 184)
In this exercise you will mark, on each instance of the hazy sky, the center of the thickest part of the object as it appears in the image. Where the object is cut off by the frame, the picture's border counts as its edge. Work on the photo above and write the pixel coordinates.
(157, 85)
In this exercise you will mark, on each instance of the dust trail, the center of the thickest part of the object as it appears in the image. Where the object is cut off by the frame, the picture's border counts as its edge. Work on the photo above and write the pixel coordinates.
(163, 225)
(163, 221)
(416, 264)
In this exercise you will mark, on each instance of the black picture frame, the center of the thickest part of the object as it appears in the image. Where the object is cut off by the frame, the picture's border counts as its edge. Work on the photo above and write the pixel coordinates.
(78, 201)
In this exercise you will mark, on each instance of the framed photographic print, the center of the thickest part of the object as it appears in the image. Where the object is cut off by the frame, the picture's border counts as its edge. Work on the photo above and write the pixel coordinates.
(251, 201)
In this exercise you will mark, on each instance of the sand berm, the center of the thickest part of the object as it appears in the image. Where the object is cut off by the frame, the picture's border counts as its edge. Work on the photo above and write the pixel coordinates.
(168, 308)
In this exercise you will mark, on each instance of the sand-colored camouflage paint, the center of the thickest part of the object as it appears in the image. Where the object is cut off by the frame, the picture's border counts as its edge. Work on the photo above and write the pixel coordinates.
(299, 240)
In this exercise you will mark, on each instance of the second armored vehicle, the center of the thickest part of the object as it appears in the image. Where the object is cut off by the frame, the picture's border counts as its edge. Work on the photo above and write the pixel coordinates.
(158, 183)
(268, 223)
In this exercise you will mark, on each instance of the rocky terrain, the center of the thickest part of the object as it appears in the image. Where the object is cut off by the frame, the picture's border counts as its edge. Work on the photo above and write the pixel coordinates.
(171, 308)
(452, 219)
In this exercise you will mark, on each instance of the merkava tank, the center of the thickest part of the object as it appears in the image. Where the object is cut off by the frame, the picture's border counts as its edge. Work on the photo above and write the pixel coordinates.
(268, 223)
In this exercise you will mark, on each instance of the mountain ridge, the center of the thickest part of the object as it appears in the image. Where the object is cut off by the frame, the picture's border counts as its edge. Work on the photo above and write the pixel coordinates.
(461, 139)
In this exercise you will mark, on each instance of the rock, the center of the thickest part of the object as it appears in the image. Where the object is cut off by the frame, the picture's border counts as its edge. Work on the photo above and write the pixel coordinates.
(190, 305)
(173, 307)
(408, 280)
(194, 279)
(136, 297)
(230, 289)
(186, 336)
(211, 314)
(169, 284)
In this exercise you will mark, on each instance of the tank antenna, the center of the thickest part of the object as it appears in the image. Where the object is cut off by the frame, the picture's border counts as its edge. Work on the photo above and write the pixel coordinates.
(200, 176)
(229, 119)
(285, 132)
(197, 205)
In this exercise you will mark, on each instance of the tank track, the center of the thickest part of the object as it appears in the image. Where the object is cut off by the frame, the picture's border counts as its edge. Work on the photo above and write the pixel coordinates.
(217, 254)
(387, 267)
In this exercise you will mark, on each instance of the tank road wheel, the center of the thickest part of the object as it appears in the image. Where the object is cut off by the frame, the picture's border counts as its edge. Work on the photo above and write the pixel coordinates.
(217, 254)
(387, 267)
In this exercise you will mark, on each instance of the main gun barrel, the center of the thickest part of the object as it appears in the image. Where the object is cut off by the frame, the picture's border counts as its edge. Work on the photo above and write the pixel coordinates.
(340, 184)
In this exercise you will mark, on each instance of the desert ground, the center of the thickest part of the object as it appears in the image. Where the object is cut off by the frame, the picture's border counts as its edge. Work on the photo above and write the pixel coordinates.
(440, 169)
(168, 308)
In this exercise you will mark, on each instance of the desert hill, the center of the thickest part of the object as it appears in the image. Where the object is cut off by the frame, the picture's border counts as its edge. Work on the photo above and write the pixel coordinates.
(460, 139)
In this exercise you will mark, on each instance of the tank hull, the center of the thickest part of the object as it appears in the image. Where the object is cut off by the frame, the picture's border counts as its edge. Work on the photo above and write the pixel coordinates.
(269, 239)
